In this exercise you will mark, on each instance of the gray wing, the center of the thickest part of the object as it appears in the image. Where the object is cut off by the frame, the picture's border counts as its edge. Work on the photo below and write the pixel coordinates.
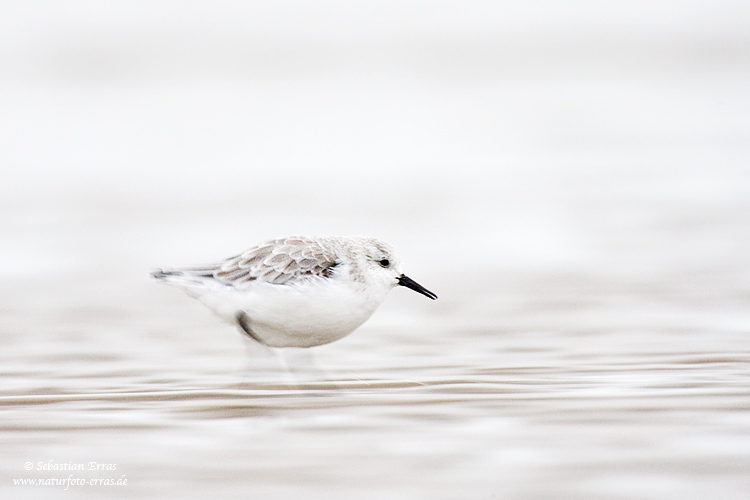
(280, 261)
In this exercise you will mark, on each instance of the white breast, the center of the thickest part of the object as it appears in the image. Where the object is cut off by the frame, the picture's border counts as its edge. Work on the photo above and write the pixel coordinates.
(314, 313)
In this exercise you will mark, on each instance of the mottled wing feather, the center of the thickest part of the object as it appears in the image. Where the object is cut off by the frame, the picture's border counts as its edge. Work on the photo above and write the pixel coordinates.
(278, 262)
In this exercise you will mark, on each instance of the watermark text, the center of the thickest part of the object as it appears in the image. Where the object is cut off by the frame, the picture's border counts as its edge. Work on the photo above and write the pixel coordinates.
(82, 478)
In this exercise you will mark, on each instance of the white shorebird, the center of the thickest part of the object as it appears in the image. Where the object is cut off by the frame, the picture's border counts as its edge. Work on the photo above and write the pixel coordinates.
(298, 291)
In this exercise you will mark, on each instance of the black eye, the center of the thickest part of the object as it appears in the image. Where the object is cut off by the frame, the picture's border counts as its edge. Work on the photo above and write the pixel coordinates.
(385, 262)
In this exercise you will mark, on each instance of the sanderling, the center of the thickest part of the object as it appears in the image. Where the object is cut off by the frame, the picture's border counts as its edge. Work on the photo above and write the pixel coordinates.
(298, 291)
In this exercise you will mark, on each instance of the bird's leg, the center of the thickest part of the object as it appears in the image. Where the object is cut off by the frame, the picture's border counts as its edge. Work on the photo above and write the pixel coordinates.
(301, 363)
(263, 361)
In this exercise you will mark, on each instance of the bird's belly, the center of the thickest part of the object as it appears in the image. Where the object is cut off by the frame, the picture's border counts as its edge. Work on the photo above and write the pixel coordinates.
(300, 330)
(283, 316)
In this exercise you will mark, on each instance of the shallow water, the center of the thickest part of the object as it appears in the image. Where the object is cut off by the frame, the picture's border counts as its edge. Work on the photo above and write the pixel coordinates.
(541, 385)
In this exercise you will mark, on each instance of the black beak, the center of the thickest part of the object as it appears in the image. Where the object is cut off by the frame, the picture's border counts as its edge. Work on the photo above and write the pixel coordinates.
(406, 281)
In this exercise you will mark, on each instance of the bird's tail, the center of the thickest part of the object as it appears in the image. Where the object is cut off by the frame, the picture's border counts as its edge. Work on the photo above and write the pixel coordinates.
(194, 276)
